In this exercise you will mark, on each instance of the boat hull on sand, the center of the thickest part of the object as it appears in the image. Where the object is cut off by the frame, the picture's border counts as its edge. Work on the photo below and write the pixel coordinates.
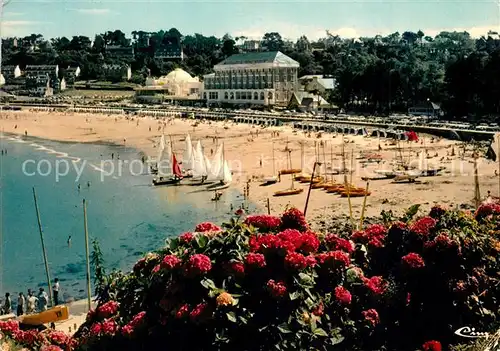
(288, 192)
(55, 314)
(166, 181)
(290, 171)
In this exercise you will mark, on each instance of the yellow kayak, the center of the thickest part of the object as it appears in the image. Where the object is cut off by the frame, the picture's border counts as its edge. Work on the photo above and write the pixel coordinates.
(55, 314)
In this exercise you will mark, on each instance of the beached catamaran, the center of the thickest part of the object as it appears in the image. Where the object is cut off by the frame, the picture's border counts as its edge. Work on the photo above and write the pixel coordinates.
(220, 174)
(169, 171)
(188, 158)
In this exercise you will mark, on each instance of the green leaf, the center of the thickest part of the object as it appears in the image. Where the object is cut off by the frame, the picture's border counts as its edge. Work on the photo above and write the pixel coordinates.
(243, 320)
(201, 241)
(411, 212)
(294, 295)
(208, 284)
(305, 278)
(309, 303)
(173, 244)
(337, 339)
(320, 332)
(231, 317)
(283, 328)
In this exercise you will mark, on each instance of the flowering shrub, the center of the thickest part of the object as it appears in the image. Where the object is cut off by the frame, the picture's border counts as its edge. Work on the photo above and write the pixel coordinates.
(270, 283)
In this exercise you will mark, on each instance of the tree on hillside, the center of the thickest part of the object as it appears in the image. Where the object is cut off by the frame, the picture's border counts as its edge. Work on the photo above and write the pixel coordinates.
(272, 41)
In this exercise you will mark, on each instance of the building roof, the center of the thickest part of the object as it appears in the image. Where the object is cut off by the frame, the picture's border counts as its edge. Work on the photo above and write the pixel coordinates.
(178, 75)
(260, 57)
(305, 98)
(327, 83)
(115, 66)
(41, 67)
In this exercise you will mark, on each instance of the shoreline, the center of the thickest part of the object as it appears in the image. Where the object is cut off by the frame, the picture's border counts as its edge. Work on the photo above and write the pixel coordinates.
(248, 146)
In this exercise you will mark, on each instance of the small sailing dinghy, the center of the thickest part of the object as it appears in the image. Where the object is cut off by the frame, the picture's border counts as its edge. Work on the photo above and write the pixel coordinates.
(161, 148)
(273, 179)
(188, 158)
(171, 176)
(226, 180)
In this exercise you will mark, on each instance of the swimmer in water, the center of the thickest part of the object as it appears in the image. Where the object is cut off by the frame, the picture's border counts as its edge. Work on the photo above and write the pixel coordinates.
(88, 184)
(69, 241)
(78, 187)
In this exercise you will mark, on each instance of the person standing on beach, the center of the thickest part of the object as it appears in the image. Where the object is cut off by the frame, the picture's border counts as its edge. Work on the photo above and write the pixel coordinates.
(55, 290)
(7, 306)
(69, 241)
(43, 300)
(21, 304)
(32, 302)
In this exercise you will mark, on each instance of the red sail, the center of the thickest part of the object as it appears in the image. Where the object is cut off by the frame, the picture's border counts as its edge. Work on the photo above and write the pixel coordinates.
(176, 169)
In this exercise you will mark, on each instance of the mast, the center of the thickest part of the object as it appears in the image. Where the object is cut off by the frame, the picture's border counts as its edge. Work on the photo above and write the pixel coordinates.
(274, 170)
(331, 161)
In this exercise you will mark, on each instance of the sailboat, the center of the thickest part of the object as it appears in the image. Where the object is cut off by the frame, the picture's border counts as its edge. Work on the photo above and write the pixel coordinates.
(223, 178)
(292, 190)
(199, 168)
(170, 174)
(274, 178)
(187, 158)
(161, 147)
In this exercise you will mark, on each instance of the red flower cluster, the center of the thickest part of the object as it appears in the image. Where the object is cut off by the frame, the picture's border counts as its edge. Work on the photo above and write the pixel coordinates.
(255, 260)
(59, 338)
(376, 285)
(9, 327)
(277, 289)
(441, 242)
(334, 259)
(287, 240)
(342, 295)
(186, 237)
(413, 260)
(198, 312)
(371, 316)
(486, 210)
(109, 327)
(198, 264)
(437, 212)
(264, 223)
(318, 310)
(294, 219)
(296, 261)
(335, 242)
(423, 226)
(50, 348)
(432, 345)
(182, 312)
(107, 309)
(207, 227)
(170, 262)
(235, 268)
(136, 322)
(373, 236)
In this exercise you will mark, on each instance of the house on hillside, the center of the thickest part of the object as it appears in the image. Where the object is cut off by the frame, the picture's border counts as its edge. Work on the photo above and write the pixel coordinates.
(9, 73)
(71, 74)
(250, 45)
(39, 85)
(169, 52)
(116, 72)
(35, 75)
(119, 52)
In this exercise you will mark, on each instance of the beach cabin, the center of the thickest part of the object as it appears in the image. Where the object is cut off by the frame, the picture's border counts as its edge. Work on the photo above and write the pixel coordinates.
(117, 73)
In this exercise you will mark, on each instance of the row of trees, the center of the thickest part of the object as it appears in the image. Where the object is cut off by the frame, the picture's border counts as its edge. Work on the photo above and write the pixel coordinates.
(380, 73)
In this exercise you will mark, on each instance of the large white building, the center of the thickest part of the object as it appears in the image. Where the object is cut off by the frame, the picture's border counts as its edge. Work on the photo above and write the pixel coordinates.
(178, 84)
(256, 78)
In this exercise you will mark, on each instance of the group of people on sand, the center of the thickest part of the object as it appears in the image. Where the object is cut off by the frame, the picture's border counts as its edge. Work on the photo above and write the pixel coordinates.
(31, 303)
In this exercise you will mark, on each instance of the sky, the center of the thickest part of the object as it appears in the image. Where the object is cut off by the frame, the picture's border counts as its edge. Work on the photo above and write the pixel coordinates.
(250, 18)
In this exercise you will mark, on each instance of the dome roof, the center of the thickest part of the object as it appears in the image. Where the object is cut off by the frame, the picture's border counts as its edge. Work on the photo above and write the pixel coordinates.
(179, 75)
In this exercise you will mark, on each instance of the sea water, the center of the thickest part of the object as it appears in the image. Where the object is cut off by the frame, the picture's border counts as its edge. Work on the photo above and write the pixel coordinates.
(126, 214)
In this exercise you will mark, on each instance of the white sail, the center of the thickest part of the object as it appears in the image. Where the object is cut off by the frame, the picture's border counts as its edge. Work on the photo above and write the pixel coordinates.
(161, 147)
(188, 154)
(208, 164)
(216, 166)
(227, 177)
(199, 167)
(165, 162)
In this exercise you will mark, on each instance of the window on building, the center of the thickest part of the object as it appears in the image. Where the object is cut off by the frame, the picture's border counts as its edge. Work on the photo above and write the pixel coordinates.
(238, 95)
(262, 95)
(256, 96)
(226, 96)
(232, 96)
(270, 95)
(205, 96)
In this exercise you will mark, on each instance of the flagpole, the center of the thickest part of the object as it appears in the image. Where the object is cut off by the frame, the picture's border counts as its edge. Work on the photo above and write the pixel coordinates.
(43, 248)
(87, 255)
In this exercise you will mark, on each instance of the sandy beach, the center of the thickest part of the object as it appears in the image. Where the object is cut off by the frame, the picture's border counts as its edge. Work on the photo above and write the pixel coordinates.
(248, 150)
